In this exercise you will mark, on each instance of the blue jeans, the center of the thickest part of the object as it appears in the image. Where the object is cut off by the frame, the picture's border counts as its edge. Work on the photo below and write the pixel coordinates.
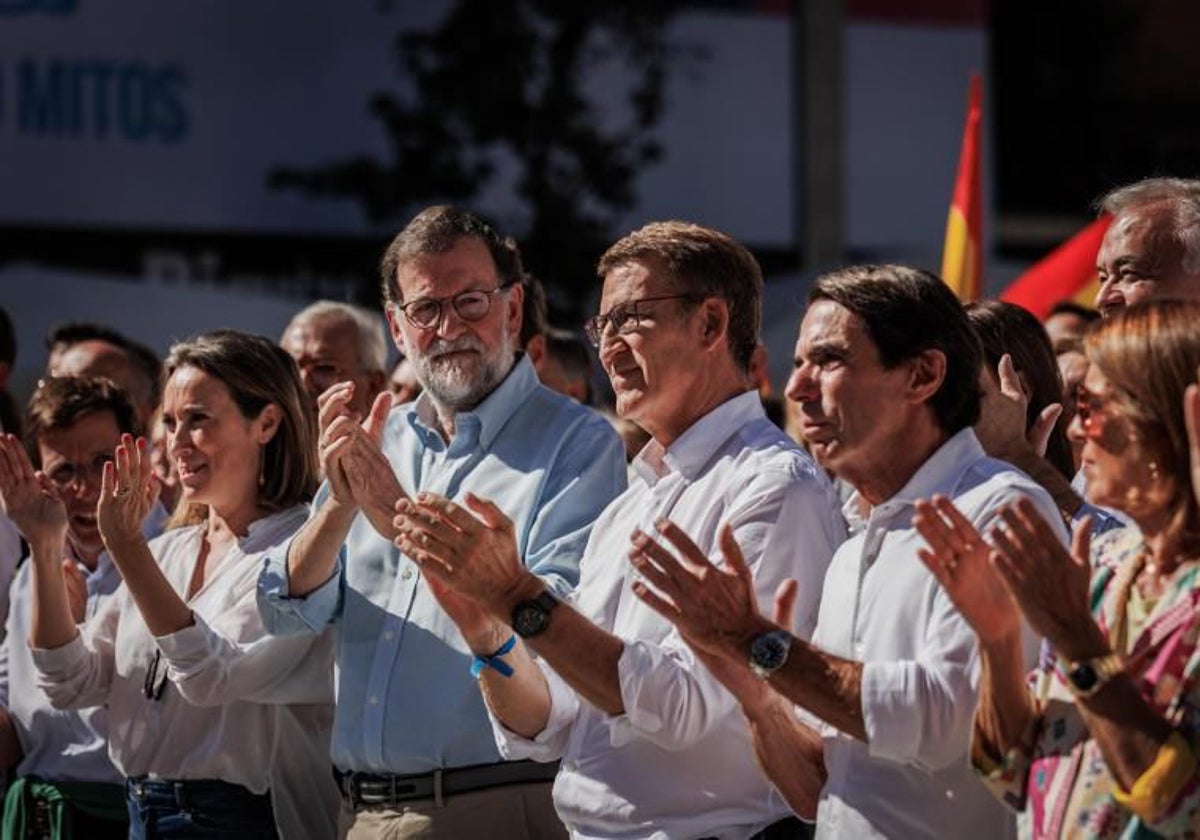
(197, 809)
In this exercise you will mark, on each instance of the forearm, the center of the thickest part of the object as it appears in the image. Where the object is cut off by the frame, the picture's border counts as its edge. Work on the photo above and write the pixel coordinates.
(826, 685)
(163, 610)
(520, 701)
(52, 624)
(1005, 709)
(1128, 731)
(313, 554)
(791, 754)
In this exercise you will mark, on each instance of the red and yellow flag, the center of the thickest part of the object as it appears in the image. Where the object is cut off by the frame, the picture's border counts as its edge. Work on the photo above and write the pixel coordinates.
(962, 256)
(1066, 273)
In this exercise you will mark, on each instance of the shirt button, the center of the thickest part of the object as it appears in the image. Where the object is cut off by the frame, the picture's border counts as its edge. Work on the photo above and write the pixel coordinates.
(389, 635)
(374, 701)
(407, 574)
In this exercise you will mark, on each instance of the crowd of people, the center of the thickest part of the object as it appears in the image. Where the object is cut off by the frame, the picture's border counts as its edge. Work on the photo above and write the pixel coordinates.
(273, 589)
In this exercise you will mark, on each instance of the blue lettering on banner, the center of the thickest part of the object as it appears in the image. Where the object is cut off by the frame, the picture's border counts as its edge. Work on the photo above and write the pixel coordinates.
(99, 99)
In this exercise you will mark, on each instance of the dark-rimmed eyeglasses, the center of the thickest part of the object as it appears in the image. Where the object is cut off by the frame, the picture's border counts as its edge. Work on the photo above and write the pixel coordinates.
(471, 305)
(624, 318)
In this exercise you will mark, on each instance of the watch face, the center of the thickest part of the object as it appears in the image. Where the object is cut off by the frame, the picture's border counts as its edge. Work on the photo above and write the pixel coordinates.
(529, 619)
(1083, 677)
(769, 651)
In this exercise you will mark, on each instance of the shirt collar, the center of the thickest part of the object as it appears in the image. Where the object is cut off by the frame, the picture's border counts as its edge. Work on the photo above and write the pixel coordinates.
(480, 426)
(692, 450)
(940, 473)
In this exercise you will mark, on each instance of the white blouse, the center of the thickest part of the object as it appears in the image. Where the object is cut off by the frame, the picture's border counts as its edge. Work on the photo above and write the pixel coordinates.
(236, 704)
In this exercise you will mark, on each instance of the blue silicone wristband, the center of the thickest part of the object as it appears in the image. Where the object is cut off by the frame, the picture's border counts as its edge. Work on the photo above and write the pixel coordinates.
(495, 660)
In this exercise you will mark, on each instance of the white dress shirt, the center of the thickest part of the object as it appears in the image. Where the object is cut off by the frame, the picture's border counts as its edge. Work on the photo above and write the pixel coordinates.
(679, 762)
(59, 745)
(226, 707)
(883, 608)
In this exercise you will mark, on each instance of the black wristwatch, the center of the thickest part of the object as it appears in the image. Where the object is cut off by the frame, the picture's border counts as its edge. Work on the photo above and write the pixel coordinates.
(1089, 675)
(768, 652)
(530, 618)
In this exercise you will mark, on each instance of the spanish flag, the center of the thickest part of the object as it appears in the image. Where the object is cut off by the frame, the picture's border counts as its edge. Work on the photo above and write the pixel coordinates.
(1066, 273)
(962, 256)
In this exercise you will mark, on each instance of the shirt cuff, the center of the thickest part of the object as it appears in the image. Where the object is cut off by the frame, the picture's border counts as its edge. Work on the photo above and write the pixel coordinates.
(188, 649)
(550, 743)
(61, 660)
(283, 613)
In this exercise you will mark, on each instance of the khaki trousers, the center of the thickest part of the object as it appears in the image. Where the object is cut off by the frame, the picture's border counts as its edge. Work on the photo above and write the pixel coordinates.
(511, 812)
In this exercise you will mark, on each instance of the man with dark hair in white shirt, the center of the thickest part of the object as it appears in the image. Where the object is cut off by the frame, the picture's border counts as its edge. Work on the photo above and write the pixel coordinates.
(887, 378)
(651, 744)
(73, 426)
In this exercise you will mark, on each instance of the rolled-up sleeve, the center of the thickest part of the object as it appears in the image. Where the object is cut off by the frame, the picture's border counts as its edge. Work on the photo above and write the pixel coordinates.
(920, 711)
(787, 527)
(211, 669)
(551, 742)
(283, 615)
(79, 673)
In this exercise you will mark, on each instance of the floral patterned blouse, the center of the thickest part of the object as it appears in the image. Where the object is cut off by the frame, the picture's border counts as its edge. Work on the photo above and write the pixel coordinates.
(1062, 788)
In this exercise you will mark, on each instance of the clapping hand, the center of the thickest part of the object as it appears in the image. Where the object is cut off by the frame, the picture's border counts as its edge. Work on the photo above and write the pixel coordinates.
(127, 492)
(29, 498)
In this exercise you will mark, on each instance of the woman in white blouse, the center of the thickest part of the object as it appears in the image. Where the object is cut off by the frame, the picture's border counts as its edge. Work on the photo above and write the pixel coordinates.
(221, 730)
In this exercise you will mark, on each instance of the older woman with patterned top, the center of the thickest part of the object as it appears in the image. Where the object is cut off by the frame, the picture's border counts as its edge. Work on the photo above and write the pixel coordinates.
(1102, 739)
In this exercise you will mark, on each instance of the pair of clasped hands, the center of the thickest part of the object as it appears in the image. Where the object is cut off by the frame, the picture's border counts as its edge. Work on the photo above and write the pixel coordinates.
(38, 506)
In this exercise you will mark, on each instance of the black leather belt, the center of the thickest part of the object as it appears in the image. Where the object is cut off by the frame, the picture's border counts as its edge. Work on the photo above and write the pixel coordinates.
(386, 789)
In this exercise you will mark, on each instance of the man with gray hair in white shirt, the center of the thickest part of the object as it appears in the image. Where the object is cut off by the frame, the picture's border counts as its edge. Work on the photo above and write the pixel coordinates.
(651, 744)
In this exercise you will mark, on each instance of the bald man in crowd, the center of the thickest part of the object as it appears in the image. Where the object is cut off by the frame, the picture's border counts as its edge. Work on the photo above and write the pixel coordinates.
(339, 342)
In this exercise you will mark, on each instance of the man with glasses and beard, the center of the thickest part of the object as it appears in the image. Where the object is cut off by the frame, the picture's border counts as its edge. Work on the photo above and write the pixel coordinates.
(412, 745)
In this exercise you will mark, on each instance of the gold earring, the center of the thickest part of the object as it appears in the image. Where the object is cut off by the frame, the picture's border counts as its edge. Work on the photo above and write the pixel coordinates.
(1154, 474)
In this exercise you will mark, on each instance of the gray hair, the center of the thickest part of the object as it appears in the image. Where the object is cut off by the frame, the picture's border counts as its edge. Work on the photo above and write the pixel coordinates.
(1182, 195)
(372, 339)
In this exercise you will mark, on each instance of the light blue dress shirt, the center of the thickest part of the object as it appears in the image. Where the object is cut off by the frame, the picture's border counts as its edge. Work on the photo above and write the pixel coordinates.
(406, 701)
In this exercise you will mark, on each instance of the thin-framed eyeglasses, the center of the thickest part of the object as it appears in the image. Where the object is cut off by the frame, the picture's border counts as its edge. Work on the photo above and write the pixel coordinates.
(471, 305)
(624, 318)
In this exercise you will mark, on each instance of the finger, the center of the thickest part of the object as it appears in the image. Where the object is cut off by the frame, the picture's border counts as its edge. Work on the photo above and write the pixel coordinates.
(334, 404)
(1010, 575)
(124, 479)
(962, 526)
(785, 604)
(666, 562)
(656, 602)
(689, 553)
(657, 577)
(488, 511)
(429, 562)
(18, 461)
(377, 417)
(933, 529)
(434, 508)
(1081, 542)
(145, 469)
(1037, 525)
(1010, 383)
(1012, 559)
(343, 426)
(1019, 532)
(436, 539)
(108, 482)
(1043, 427)
(735, 560)
(933, 562)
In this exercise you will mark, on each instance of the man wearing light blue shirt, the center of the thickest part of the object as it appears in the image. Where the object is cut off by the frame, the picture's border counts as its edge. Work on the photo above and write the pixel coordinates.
(412, 744)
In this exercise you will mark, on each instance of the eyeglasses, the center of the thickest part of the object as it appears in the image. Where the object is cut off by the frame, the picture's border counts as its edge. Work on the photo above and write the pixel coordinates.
(68, 475)
(471, 305)
(625, 318)
(1092, 410)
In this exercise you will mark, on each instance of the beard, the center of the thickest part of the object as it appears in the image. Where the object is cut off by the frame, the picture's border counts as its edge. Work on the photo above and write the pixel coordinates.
(462, 380)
